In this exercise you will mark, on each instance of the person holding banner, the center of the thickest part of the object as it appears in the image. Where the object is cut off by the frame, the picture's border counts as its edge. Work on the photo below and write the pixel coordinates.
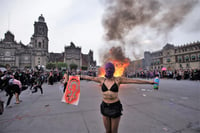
(111, 107)
(65, 80)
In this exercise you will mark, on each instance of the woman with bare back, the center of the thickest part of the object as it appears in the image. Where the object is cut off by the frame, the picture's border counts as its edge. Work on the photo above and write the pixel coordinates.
(111, 107)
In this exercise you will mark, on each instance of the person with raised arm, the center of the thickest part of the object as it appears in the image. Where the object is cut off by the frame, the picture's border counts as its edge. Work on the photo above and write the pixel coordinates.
(111, 107)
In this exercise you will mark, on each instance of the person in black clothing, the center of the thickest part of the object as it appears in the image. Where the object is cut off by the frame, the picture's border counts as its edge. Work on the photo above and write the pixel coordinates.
(16, 75)
(50, 78)
(198, 74)
(13, 87)
(38, 84)
(32, 80)
(1, 106)
(1, 81)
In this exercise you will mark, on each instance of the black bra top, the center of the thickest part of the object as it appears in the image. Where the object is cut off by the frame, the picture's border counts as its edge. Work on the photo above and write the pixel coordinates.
(114, 88)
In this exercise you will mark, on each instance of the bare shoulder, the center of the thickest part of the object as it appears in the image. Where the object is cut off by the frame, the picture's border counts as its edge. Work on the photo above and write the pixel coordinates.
(101, 79)
(98, 79)
(118, 80)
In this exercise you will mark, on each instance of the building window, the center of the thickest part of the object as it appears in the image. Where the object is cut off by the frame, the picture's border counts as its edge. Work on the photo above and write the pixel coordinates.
(7, 53)
(186, 58)
(39, 44)
(168, 60)
(179, 59)
(180, 65)
(193, 57)
(185, 49)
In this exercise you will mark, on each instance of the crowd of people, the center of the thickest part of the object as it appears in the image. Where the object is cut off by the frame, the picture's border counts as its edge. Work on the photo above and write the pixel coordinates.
(14, 82)
(190, 74)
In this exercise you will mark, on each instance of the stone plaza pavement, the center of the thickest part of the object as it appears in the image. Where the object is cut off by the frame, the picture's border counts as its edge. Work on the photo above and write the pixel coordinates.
(175, 108)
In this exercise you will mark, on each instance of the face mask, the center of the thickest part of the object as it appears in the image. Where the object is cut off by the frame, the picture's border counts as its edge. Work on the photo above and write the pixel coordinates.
(110, 69)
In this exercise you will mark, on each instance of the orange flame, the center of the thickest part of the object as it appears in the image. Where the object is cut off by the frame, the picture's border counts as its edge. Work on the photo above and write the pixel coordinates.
(119, 68)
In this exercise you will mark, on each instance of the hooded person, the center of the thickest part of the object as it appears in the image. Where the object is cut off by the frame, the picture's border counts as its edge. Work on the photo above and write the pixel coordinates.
(111, 107)
(109, 69)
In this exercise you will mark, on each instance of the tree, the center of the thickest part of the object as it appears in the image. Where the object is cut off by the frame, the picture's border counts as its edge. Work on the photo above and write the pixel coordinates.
(1, 65)
(84, 67)
(27, 67)
(51, 65)
(61, 65)
(73, 66)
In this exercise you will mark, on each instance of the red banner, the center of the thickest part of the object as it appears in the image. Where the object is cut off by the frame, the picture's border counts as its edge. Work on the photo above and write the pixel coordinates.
(72, 92)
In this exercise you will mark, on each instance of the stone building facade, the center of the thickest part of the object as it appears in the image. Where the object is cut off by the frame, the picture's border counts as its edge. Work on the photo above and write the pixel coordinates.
(14, 54)
(22, 56)
(73, 55)
(56, 57)
(88, 61)
(18, 55)
(174, 57)
(135, 66)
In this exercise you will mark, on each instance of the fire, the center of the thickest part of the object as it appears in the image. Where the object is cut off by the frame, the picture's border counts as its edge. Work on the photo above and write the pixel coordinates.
(119, 68)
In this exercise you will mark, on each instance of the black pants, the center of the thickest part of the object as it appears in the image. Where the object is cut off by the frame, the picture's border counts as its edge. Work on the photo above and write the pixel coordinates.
(12, 89)
(50, 81)
(35, 89)
(65, 85)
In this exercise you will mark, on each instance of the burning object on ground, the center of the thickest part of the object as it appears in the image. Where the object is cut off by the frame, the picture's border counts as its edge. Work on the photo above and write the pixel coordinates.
(116, 56)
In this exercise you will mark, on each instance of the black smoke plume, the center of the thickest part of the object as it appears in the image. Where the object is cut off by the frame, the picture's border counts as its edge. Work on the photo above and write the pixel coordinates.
(123, 18)
(115, 54)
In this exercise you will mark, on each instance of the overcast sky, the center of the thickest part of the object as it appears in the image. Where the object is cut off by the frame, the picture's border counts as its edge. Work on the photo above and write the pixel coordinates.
(81, 22)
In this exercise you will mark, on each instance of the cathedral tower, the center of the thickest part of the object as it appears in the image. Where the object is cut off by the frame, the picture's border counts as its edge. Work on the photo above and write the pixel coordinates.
(39, 43)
